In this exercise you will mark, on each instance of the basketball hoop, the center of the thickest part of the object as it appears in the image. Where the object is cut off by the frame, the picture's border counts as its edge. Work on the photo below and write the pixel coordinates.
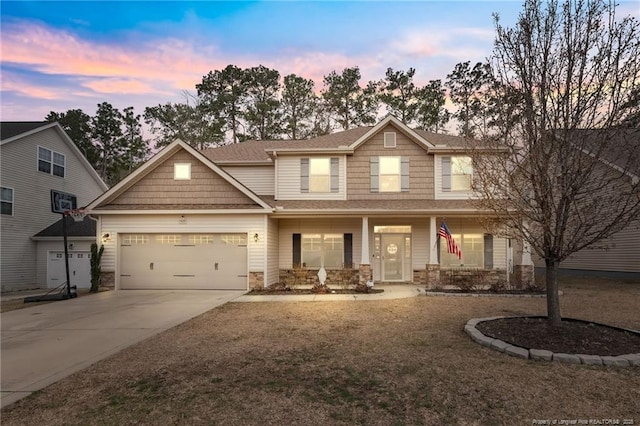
(77, 214)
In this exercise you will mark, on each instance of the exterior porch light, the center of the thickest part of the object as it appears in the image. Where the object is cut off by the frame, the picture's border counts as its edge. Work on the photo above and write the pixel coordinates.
(105, 238)
(256, 237)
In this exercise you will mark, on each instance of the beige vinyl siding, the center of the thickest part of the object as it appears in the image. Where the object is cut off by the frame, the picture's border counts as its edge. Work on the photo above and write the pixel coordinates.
(32, 205)
(45, 247)
(272, 252)
(288, 179)
(204, 187)
(190, 224)
(439, 193)
(288, 227)
(420, 168)
(259, 179)
(618, 253)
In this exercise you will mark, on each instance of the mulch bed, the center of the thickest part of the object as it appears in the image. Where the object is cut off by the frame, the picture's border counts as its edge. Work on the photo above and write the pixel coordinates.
(573, 336)
(309, 291)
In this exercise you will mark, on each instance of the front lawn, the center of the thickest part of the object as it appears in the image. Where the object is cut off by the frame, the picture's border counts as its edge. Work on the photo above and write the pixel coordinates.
(370, 362)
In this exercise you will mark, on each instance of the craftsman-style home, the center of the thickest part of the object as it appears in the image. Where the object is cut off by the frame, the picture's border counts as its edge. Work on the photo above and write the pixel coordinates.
(365, 204)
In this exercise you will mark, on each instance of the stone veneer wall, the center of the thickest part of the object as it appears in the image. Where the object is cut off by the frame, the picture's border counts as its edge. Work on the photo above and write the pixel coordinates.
(523, 276)
(108, 279)
(364, 274)
(335, 277)
(256, 280)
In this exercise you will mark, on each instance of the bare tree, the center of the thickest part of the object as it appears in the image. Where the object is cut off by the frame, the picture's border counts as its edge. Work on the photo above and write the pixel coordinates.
(568, 175)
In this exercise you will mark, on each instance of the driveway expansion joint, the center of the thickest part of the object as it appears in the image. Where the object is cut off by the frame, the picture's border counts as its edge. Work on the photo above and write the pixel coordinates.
(477, 336)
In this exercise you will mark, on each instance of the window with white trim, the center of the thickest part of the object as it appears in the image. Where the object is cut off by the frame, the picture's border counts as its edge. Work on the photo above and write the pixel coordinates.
(390, 174)
(182, 171)
(322, 250)
(51, 162)
(6, 200)
(461, 173)
(319, 175)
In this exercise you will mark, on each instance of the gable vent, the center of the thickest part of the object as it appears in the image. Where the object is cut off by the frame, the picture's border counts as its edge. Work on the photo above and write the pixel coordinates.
(389, 139)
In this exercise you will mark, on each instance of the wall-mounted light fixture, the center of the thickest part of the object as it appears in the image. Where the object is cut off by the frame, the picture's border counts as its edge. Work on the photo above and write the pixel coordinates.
(70, 246)
(256, 237)
(105, 238)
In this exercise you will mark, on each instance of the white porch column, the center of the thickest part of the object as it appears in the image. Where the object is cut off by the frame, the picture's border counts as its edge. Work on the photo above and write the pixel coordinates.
(365, 256)
(433, 248)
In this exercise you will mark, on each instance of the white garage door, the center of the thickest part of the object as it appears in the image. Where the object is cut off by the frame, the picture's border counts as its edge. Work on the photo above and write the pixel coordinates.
(183, 261)
(79, 269)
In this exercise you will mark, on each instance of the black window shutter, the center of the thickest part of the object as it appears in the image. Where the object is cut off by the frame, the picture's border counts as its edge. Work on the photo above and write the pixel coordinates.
(297, 250)
(348, 250)
(488, 251)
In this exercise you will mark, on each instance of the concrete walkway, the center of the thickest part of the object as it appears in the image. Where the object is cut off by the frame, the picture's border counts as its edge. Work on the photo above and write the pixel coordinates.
(43, 344)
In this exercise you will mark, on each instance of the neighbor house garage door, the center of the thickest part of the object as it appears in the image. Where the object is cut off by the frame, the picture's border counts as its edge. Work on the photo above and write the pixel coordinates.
(183, 261)
(79, 269)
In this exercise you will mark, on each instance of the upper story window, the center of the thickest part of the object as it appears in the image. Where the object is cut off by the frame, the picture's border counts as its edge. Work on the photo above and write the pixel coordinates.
(51, 162)
(182, 171)
(457, 173)
(6, 201)
(319, 175)
(389, 174)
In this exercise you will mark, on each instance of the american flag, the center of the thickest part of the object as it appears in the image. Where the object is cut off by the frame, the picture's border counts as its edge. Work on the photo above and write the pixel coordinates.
(452, 247)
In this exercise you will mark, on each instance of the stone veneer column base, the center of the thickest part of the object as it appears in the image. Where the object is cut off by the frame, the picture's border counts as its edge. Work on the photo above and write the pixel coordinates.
(523, 276)
(433, 276)
(256, 280)
(108, 279)
(364, 274)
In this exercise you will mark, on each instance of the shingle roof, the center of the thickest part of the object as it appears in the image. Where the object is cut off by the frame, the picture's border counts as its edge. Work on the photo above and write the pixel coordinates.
(177, 207)
(86, 228)
(256, 150)
(9, 129)
(621, 146)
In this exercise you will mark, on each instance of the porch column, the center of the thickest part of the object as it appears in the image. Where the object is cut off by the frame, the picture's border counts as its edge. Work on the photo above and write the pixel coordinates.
(432, 277)
(365, 261)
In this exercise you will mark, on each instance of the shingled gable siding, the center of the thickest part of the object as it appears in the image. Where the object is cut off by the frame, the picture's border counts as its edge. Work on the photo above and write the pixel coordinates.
(204, 187)
(420, 168)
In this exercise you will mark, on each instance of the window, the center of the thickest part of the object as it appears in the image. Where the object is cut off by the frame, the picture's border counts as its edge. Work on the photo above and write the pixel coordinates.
(457, 173)
(6, 198)
(169, 239)
(182, 171)
(234, 239)
(200, 239)
(51, 162)
(389, 174)
(389, 139)
(472, 247)
(319, 175)
(323, 250)
(134, 239)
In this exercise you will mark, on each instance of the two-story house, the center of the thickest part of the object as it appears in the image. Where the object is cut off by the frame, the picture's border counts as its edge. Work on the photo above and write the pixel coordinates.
(37, 157)
(365, 204)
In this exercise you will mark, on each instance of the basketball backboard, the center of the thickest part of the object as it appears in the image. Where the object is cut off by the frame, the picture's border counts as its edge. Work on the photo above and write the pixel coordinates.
(62, 201)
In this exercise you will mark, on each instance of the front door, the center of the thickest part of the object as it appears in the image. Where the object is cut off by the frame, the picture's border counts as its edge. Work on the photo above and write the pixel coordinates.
(392, 254)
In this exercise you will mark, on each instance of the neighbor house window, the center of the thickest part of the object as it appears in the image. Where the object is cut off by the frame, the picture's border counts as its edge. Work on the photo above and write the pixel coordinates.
(51, 162)
(182, 171)
(6, 198)
(322, 250)
(319, 175)
(457, 173)
(472, 247)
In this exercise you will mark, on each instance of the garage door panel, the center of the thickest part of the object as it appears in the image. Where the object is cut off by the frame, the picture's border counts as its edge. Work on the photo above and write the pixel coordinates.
(183, 261)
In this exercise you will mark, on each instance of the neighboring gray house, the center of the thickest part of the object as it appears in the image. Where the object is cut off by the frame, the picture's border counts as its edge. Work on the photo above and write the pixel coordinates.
(36, 158)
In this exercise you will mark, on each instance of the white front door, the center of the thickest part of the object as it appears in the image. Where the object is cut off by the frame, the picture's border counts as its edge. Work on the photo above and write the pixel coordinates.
(392, 255)
(79, 269)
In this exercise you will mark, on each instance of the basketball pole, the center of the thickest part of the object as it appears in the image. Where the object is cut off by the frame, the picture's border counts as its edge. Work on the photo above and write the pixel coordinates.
(66, 253)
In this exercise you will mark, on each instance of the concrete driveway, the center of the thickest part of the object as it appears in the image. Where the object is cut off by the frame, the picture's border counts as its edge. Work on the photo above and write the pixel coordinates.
(45, 343)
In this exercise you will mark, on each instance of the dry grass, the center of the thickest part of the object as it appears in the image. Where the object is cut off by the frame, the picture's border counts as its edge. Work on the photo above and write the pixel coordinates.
(375, 363)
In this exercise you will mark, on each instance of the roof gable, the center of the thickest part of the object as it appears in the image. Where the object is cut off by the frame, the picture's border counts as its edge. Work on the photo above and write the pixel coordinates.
(152, 186)
(10, 129)
(399, 125)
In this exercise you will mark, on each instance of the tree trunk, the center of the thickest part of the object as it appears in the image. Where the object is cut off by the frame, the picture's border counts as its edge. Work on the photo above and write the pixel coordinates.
(553, 300)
